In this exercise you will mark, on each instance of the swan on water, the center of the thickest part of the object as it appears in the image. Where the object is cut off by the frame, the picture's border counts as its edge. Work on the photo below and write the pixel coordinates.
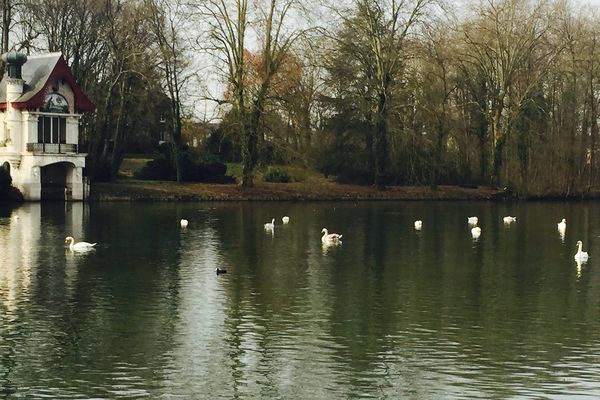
(580, 256)
(476, 232)
(79, 246)
(285, 219)
(509, 219)
(270, 225)
(418, 224)
(330, 237)
(472, 220)
(184, 223)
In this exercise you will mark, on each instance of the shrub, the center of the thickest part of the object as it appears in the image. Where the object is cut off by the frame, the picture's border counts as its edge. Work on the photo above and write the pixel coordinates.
(158, 169)
(277, 175)
(7, 191)
(208, 170)
(346, 158)
(205, 171)
(297, 174)
(5, 179)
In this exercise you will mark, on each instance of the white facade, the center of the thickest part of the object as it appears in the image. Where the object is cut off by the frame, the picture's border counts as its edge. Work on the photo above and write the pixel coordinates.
(40, 144)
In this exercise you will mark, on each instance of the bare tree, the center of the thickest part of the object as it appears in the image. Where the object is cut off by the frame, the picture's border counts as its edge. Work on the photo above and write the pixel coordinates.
(7, 19)
(166, 23)
(505, 47)
(438, 84)
(384, 25)
(229, 23)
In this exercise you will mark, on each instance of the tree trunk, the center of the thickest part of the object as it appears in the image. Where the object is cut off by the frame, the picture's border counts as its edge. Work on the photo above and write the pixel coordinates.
(99, 147)
(6, 20)
(594, 133)
(119, 136)
(380, 145)
(483, 160)
(176, 148)
(250, 148)
(437, 159)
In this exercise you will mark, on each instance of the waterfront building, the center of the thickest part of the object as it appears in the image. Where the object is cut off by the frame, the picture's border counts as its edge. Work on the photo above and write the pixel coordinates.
(40, 108)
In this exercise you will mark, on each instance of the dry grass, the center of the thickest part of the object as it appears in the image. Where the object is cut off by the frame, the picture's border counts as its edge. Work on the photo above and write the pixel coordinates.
(131, 190)
(130, 166)
(307, 185)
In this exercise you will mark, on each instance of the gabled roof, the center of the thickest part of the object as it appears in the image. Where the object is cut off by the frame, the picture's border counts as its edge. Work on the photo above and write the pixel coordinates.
(39, 72)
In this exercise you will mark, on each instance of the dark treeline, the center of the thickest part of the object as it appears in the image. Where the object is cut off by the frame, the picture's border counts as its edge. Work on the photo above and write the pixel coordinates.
(384, 92)
(506, 96)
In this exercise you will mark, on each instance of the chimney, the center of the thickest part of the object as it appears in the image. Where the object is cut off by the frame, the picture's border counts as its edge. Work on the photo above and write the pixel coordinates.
(14, 82)
(14, 61)
(14, 89)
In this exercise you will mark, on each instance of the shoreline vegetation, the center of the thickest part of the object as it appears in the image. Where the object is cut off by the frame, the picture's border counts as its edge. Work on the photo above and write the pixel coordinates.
(135, 190)
(306, 185)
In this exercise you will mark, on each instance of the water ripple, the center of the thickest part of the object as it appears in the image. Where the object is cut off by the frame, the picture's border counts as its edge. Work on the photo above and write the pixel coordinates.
(387, 315)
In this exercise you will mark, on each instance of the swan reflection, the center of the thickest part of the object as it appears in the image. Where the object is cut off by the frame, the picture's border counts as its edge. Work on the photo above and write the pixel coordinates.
(562, 229)
(328, 246)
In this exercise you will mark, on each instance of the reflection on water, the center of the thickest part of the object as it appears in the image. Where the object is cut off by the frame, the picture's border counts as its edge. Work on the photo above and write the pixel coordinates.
(391, 313)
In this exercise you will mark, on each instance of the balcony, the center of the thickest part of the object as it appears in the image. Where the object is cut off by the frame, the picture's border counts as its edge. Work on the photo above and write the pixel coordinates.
(53, 148)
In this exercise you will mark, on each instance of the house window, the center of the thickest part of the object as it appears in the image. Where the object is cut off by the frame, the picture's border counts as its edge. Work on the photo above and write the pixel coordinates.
(52, 129)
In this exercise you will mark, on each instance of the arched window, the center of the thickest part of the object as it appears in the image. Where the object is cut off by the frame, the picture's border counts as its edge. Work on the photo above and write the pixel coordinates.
(55, 103)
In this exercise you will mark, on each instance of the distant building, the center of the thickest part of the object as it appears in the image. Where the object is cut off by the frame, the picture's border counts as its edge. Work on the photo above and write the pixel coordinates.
(40, 108)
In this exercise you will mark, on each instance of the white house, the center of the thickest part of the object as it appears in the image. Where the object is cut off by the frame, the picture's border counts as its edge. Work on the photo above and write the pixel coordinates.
(40, 108)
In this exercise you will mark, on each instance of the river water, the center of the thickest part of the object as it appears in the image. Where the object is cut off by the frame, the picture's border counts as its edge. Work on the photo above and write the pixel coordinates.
(390, 313)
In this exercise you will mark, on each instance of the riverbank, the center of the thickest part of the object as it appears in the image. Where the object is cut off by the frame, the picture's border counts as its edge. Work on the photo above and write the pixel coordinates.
(134, 190)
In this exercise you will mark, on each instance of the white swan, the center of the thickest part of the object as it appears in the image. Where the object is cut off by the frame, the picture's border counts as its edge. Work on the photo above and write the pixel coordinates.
(580, 256)
(80, 246)
(476, 232)
(562, 225)
(472, 220)
(285, 219)
(330, 238)
(270, 225)
(418, 224)
(184, 223)
(509, 219)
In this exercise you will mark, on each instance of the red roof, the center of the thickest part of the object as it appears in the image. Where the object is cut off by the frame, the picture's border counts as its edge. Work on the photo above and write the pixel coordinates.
(38, 77)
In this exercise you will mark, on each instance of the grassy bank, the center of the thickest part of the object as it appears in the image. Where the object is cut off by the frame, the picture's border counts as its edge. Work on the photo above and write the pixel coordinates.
(132, 190)
(307, 185)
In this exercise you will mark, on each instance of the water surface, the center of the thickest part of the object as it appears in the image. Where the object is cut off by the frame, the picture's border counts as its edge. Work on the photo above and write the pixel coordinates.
(391, 313)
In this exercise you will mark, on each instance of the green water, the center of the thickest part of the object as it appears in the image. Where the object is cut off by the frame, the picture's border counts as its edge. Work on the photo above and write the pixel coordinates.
(390, 313)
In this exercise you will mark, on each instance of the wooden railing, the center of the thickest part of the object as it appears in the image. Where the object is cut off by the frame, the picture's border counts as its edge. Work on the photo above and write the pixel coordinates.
(53, 148)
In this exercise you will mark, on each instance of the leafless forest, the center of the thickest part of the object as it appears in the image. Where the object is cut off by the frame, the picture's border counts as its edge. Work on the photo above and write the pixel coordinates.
(384, 92)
